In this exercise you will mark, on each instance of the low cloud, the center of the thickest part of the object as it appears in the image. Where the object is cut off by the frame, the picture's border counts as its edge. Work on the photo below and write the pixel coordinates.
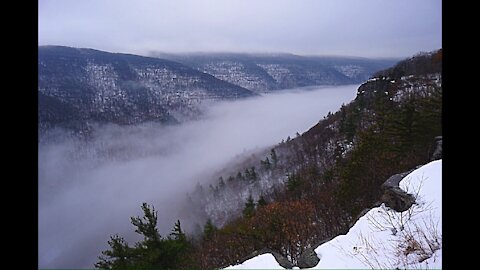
(89, 189)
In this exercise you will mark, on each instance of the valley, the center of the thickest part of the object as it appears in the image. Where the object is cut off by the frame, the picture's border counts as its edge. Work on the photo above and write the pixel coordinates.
(87, 188)
(222, 156)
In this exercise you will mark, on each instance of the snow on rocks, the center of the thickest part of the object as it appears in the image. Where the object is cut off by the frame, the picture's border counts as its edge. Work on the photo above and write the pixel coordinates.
(264, 261)
(384, 238)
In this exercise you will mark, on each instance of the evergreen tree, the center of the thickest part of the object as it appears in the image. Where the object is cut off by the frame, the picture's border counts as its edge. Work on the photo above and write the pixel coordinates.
(154, 252)
(239, 176)
(177, 247)
(177, 232)
(247, 174)
(266, 163)
(147, 225)
(261, 201)
(118, 257)
(253, 174)
(293, 182)
(274, 157)
(221, 183)
(249, 209)
(209, 229)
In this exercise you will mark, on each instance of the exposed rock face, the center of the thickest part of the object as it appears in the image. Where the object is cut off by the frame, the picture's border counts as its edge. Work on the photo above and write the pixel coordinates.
(308, 259)
(398, 199)
(437, 153)
(393, 196)
(394, 180)
(282, 260)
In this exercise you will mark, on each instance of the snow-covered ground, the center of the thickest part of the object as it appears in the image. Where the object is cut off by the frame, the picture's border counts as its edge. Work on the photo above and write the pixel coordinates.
(264, 261)
(383, 238)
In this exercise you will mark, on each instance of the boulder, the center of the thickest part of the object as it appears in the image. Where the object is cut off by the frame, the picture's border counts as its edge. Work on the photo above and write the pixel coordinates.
(394, 180)
(397, 199)
(308, 259)
(282, 260)
(437, 153)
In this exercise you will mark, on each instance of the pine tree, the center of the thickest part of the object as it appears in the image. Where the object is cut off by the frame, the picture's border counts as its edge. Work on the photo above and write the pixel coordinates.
(221, 183)
(253, 174)
(249, 209)
(119, 257)
(147, 225)
(209, 229)
(266, 163)
(239, 176)
(261, 201)
(177, 247)
(177, 232)
(154, 252)
(274, 157)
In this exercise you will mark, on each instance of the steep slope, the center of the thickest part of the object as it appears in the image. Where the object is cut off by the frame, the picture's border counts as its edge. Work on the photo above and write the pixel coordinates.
(262, 73)
(382, 238)
(323, 180)
(77, 87)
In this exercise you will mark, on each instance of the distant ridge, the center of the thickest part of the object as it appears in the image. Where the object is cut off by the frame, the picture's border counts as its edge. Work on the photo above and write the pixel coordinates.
(78, 87)
(264, 72)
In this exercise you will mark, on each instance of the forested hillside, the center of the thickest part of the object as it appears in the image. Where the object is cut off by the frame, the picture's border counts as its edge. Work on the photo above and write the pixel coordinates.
(269, 72)
(81, 87)
(308, 189)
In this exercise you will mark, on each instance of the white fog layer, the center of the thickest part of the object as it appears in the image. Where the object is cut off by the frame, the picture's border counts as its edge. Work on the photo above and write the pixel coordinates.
(89, 191)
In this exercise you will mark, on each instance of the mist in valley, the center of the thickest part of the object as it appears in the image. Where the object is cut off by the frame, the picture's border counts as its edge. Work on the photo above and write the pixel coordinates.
(88, 190)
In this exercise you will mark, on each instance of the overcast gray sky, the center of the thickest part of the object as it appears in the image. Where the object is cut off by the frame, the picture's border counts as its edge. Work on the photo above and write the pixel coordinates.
(369, 28)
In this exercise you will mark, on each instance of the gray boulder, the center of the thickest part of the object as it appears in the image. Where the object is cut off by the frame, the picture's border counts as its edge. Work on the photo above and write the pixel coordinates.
(394, 180)
(437, 153)
(282, 260)
(308, 259)
(397, 199)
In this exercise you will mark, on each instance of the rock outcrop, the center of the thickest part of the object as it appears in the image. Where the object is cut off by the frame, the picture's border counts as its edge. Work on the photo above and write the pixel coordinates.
(395, 197)
(282, 260)
(437, 153)
(308, 259)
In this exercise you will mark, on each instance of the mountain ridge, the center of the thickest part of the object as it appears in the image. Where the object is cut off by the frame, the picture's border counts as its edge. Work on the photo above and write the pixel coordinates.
(263, 72)
(81, 87)
(97, 86)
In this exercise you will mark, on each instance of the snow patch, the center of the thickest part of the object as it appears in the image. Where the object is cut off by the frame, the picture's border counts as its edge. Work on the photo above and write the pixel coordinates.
(264, 261)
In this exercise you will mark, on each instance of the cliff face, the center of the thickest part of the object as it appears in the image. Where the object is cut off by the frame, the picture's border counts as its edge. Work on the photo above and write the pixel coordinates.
(79, 86)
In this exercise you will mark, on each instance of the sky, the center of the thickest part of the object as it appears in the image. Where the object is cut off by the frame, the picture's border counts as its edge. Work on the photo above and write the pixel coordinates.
(365, 28)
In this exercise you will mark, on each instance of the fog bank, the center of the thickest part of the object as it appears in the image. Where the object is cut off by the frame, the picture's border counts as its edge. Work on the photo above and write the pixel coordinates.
(89, 190)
